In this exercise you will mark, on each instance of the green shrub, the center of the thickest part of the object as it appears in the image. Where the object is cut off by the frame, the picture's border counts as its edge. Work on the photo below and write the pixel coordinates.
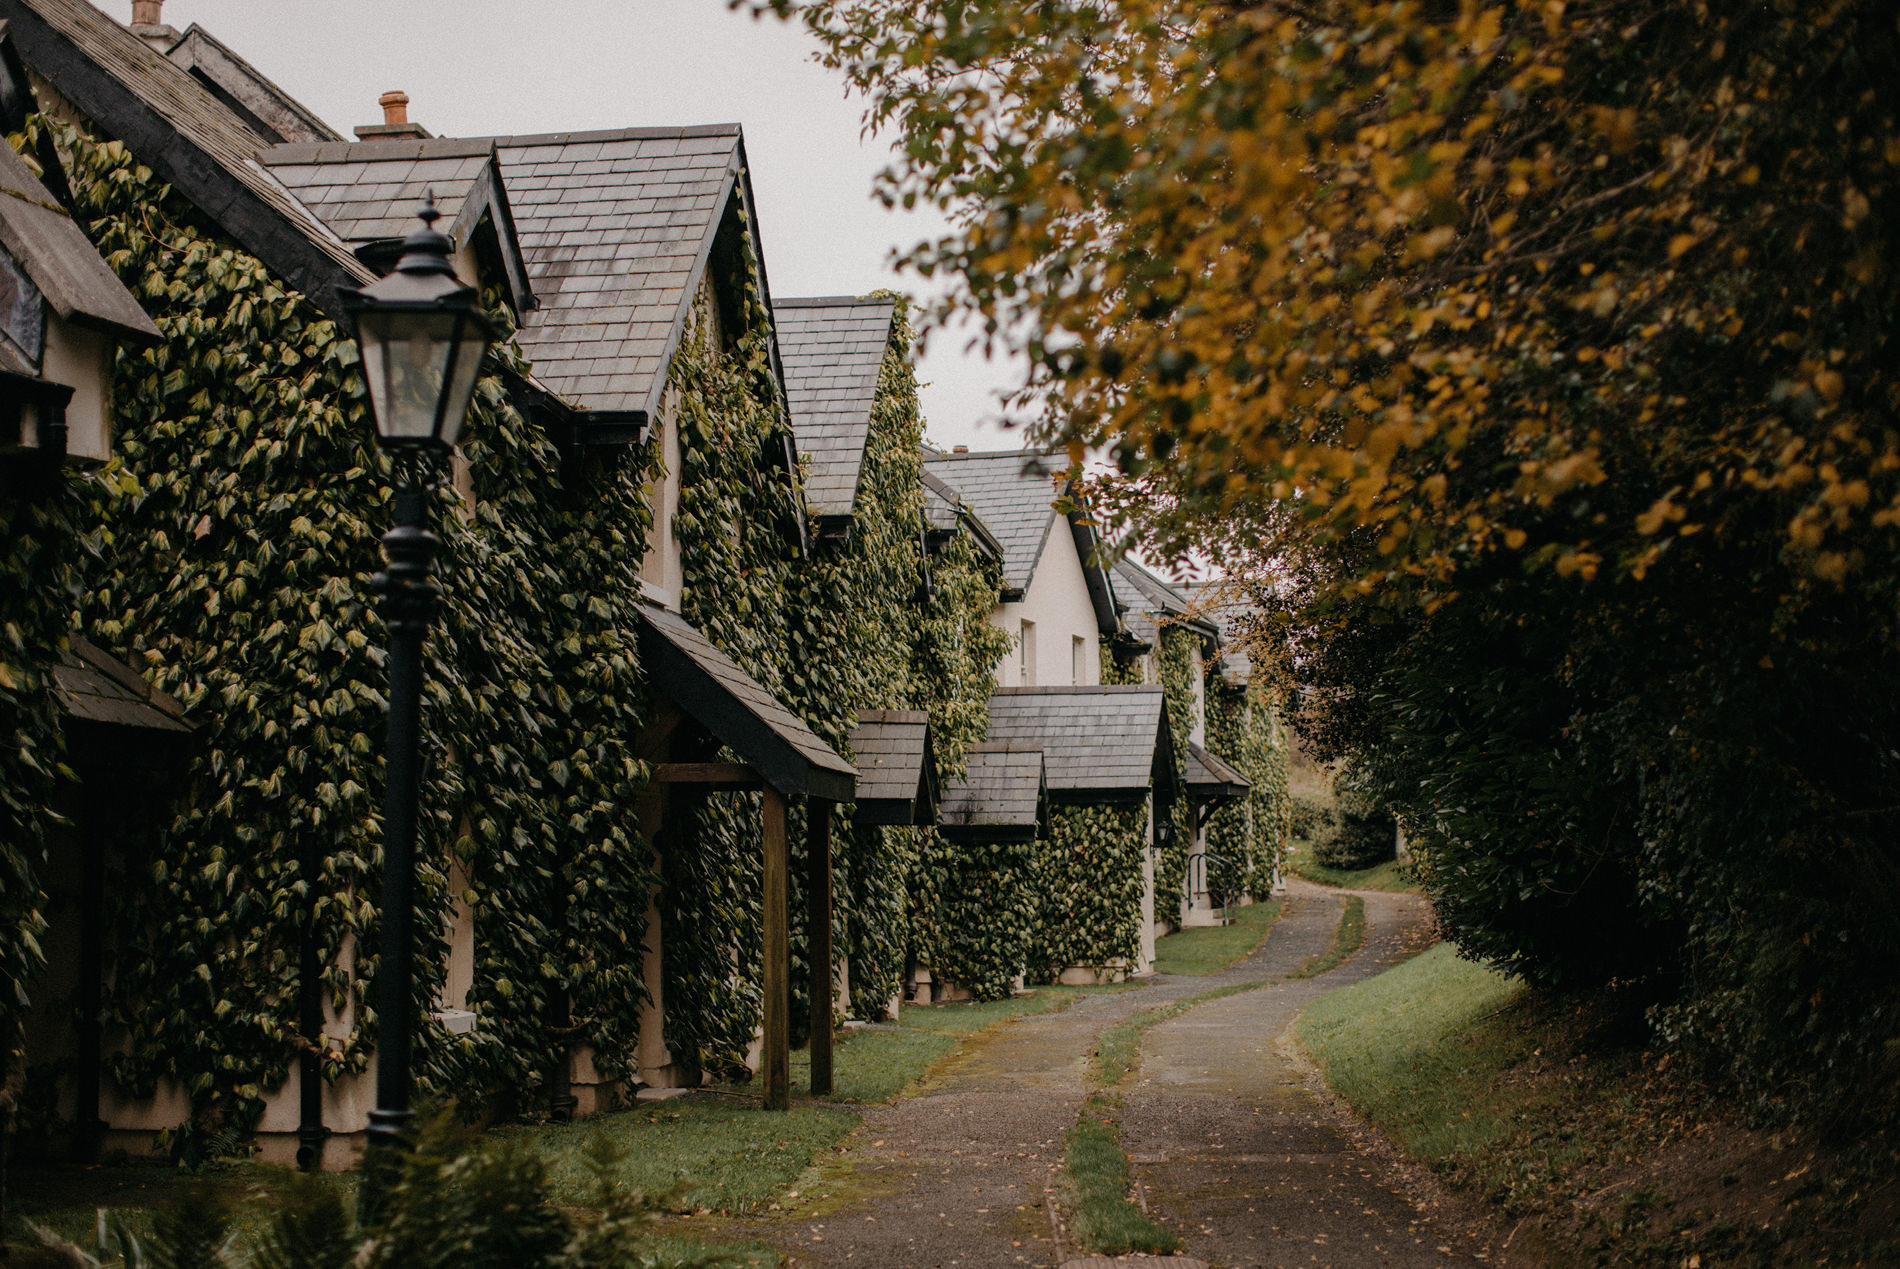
(1312, 818)
(1362, 833)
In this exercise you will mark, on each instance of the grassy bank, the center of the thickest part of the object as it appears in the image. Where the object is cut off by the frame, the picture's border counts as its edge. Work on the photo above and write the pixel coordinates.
(1389, 876)
(1586, 1144)
(1212, 948)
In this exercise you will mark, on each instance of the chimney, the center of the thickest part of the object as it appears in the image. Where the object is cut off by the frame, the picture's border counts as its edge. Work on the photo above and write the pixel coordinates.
(149, 26)
(395, 125)
(959, 449)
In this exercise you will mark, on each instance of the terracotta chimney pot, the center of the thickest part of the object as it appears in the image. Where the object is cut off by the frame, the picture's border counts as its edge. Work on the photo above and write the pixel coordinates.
(959, 449)
(146, 12)
(395, 108)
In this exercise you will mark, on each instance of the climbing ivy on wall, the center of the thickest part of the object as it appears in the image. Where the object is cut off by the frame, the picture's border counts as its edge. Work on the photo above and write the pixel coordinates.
(1088, 883)
(1244, 727)
(1177, 689)
(41, 551)
(235, 573)
(971, 904)
(1120, 669)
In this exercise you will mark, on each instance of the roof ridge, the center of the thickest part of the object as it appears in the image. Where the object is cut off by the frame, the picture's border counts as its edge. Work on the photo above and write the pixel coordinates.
(1080, 689)
(832, 301)
(617, 134)
(287, 153)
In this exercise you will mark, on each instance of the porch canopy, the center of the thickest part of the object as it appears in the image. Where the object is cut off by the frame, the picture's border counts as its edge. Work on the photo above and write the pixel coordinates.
(1002, 796)
(897, 767)
(1210, 782)
(1102, 744)
(782, 758)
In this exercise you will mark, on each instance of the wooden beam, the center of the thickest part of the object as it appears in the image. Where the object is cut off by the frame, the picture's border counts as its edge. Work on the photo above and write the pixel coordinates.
(818, 888)
(711, 775)
(777, 1060)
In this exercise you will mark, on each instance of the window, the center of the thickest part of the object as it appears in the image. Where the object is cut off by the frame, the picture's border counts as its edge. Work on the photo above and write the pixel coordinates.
(1078, 660)
(1026, 674)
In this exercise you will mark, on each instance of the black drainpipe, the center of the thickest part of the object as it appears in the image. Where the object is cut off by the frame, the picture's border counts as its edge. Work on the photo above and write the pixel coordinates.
(311, 1132)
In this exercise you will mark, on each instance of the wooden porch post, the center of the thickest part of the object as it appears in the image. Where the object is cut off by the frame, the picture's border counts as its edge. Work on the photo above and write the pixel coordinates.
(778, 955)
(818, 843)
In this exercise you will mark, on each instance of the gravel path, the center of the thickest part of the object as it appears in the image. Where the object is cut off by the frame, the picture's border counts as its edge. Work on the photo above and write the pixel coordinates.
(1235, 1150)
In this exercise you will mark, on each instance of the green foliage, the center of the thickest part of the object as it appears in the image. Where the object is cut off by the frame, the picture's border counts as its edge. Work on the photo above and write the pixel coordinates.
(1120, 671)
(1244, 728)
(42, 547)
(234, 571)
(1360, 833)
(975, 910)
(1570, 431)
(1312, 818)
(1176, 660)
(1088, 883)
(310, 1228)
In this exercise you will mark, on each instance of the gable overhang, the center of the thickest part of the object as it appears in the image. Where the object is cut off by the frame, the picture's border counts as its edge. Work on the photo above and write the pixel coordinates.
(1005, 824)
(918, 806)
(1101, 591)
(710, 688)
(1211, 778)
(296, 258)
(250, 95)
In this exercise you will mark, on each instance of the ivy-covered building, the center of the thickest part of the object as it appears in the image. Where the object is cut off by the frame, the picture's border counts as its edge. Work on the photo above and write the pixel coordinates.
(1181, 647)
(910, 589)
(1245, 730)
(1113, 786)
(635, 592)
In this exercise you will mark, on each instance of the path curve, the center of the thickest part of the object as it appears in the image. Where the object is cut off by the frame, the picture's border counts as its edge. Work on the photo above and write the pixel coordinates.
(1233, 1150)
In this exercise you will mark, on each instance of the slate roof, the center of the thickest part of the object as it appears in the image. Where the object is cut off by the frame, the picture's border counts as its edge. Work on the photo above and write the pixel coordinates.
(617, 228)
(270, 111)
(1147, 598)
(896, 768)
(742, 715)
(1210, 777)
(833, 349)
(945, 510)
(367, 191)
(186, 135)
(1015, 492)
(95, 687)
(1000, 796)
(1100, 743)
(60, 259)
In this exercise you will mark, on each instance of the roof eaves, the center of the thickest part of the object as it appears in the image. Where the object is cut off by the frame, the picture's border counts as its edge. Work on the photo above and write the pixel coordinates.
(303, 255)
(189, 54)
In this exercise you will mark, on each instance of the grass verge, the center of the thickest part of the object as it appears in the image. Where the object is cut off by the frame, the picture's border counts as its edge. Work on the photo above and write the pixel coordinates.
(1389, 876)
(1210, 949)
(1589, 1147)
(1348, 938)
(1102, 1218)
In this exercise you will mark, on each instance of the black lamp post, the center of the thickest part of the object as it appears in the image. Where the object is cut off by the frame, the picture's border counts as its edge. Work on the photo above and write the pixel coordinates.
(422, 337)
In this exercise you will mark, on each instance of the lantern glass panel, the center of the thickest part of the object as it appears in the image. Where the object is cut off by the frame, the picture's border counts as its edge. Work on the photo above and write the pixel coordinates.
(407, 357)
(471, 341)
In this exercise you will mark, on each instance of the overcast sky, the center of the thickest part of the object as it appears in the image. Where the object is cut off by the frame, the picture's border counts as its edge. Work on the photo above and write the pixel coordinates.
(484, 67)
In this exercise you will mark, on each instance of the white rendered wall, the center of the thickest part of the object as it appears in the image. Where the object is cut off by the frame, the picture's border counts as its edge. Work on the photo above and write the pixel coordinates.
(1058, 603)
